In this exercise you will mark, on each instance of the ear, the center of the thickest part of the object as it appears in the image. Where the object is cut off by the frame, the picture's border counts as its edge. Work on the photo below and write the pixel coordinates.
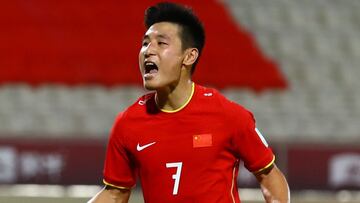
(191, 55)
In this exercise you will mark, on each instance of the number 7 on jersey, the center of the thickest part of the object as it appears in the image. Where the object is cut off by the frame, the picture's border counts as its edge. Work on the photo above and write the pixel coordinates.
(176, 176)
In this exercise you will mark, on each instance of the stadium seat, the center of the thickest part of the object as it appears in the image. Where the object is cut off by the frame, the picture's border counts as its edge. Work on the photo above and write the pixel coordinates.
(316, 44)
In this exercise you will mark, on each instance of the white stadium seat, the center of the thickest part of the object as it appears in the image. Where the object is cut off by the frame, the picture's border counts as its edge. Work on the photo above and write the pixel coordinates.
(316, 43)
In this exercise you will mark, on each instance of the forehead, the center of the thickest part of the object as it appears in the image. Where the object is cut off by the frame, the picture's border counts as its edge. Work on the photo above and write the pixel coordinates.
(164, 30)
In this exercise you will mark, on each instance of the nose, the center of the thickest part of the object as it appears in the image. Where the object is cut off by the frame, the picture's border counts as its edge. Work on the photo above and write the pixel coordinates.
(149, 50)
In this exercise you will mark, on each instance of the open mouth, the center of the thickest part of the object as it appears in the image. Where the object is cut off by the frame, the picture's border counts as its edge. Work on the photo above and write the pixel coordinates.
(150, 67)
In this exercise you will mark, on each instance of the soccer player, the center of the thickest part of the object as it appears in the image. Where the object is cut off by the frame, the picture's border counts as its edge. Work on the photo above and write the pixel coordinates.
(183, 141)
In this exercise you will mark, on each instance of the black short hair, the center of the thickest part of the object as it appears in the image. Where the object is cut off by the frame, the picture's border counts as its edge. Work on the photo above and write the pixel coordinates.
(192, 33)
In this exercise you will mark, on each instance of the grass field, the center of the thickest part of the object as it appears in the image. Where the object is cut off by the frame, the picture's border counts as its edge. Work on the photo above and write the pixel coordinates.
(83, 200)
(59, 194)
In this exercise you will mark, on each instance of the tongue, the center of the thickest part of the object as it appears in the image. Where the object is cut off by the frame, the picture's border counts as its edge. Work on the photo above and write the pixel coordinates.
(153, 71)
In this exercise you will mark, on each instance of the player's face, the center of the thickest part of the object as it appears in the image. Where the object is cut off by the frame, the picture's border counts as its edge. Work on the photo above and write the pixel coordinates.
(161, 56)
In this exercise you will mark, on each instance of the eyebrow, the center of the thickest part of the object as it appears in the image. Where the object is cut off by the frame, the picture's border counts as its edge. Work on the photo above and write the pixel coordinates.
(161, 36)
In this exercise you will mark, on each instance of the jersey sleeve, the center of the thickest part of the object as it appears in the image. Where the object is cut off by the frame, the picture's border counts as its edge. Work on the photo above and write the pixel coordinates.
(118, 168)
(250, 145)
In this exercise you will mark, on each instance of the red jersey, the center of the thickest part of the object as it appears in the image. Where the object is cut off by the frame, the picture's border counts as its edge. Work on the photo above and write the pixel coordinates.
(188, 155)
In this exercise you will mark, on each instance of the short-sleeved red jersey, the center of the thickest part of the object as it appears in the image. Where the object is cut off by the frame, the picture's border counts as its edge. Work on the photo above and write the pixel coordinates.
(188, 155)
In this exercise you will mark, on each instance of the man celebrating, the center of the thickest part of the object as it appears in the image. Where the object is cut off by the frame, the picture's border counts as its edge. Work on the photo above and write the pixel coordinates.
(183, 141)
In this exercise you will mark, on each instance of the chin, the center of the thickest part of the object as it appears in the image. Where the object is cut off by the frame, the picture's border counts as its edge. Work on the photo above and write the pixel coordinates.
(150, 86)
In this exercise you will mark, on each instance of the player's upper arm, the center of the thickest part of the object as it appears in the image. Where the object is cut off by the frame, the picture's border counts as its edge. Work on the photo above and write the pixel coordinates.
(273, 185)
(111, 195)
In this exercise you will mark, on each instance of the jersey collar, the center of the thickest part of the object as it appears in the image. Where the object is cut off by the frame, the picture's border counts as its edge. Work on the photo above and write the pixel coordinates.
(183, 106)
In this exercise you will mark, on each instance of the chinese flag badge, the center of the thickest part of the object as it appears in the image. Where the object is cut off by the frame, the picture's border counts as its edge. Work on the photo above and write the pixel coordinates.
(202, 140)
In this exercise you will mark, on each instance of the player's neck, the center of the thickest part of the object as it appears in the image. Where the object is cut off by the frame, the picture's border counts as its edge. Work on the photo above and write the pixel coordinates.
(173, 99)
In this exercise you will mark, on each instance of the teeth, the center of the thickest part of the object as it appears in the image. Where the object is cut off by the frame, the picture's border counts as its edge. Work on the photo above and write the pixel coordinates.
(150, 67)
(149, 63)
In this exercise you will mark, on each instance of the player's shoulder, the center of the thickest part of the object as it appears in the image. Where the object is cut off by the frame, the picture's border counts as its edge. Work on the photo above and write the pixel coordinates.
(206, 91)
(209, 95)
(220, 100)
(138, 108)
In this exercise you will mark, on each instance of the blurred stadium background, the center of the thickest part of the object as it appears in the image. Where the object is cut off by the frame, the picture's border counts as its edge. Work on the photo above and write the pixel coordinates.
(67, 68)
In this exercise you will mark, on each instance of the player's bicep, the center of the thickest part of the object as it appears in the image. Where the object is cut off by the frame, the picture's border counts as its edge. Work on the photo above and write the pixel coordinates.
(111, 195)
(118, 195)
(273, 185)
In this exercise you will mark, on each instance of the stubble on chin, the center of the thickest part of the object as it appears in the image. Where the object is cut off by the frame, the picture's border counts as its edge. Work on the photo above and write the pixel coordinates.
(149, 87)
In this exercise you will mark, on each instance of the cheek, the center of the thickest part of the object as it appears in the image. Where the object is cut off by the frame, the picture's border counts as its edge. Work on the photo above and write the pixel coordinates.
(141, 59)
(141, 54)
(172, 58)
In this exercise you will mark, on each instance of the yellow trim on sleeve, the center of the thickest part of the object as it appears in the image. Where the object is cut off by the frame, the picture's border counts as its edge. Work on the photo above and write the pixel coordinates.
(266, 167)
(115, 186)
(183, 106)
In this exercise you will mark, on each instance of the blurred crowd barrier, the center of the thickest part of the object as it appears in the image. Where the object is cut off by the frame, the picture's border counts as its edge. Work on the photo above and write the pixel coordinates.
(79, 161)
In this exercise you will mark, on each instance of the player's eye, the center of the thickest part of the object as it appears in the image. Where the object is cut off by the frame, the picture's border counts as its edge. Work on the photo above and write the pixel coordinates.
(145, 43)
(162, 43)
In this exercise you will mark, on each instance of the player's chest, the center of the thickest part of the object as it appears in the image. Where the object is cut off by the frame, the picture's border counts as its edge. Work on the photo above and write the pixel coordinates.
(173, 141)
